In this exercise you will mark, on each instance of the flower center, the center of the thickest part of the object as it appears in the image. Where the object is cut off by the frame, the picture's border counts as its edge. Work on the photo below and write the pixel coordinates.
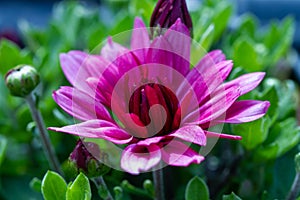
(150, 95)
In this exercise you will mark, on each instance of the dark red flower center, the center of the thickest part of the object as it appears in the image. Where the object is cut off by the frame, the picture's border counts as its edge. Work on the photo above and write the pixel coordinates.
(150, 95)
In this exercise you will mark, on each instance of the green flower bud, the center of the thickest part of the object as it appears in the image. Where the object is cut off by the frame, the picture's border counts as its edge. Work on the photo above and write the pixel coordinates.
(297, 162)
(21, 80)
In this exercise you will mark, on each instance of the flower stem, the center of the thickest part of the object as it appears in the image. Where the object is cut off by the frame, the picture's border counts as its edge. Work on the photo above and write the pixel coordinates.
(158, 180)
(46, 143)
(102, 188)
(295, 188)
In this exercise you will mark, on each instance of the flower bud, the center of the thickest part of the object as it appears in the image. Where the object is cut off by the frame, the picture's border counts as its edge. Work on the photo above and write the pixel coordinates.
(297, 162)
(166, 12)
(22, 80)
(84, 161)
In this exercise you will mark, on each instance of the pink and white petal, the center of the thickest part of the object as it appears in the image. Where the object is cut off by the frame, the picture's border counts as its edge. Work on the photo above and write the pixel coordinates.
(245, 111)
(80, 105)
(155, 140)
(137, 158)
(140, 39)
(97, 129)
(178, 154)
(214, 56)
(78, 66)
(71, 64)
(112, 50)
(210, 134)
(247, 82)
(214, 107)
(191, 133)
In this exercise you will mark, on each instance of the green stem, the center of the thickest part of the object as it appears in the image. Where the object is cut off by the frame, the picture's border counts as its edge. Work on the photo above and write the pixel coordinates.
(295, 188)
(102, 188)
(46, 143)
(158, 180)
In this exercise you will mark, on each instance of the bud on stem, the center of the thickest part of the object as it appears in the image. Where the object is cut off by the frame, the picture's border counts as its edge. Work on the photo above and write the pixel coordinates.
(22, 80)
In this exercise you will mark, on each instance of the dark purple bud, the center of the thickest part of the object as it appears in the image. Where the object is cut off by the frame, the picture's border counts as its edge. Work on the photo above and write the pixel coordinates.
(166, 12)
(85, 161)
(12, 36)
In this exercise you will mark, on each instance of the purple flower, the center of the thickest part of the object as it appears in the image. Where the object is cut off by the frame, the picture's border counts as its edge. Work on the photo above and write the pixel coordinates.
(159, 105)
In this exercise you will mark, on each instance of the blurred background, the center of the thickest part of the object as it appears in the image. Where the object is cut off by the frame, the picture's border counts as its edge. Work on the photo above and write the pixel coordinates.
(258, 35)
(38, 13)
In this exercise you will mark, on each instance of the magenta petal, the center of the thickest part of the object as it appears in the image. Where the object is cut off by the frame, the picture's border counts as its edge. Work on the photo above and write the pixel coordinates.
(79, 104)
(178, 36)
(112, 50)
(191, 133)
(246, 111)
(137, 158)
(97, 129)
(205, 80)
(247, 82)
(178, 154)
(140, 39)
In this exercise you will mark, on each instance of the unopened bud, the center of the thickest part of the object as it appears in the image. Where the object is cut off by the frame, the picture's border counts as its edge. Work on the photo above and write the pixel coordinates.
(22, 80)
(166, 12)
(85, 161)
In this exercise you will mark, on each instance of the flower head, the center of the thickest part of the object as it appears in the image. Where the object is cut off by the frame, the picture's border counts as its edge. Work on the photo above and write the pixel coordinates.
(159, 105)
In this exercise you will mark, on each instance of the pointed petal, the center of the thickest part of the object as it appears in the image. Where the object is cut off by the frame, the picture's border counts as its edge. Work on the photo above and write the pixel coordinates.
(97, 129)
(246, 111)
(140, 37)
(191, 133)
(78, 66)
(178, 36)
(247, 82)
(214, 107)
(178, 154)
(210, 134)
(137, 158)
(80, 105)
(71, 63)
(112, 50)
(161, 52)
(205, 81)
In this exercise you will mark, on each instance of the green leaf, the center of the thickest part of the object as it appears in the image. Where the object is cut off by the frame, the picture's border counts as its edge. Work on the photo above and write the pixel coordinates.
(253, 133)
(270, 94)
(36, 184)
(196, 189)
(79, 189)
(141, 8)
(11, 56)
(221, 18)
(248, 25)
(231, 196)
(3, 147)
(283, 137)
(279, 39)
(54, 186)
(246, 56)
(207, 37)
